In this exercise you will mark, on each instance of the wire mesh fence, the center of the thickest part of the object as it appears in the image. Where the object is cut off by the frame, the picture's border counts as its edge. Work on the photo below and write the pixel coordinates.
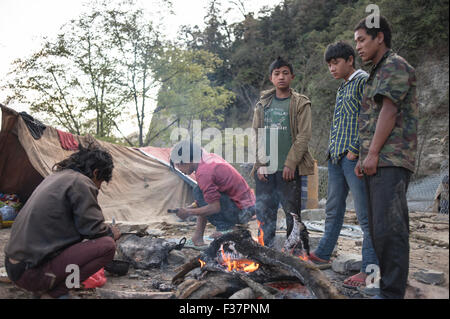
(423, 193)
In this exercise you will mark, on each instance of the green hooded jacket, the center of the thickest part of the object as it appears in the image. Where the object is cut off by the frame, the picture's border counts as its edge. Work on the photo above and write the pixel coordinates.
(300, 123)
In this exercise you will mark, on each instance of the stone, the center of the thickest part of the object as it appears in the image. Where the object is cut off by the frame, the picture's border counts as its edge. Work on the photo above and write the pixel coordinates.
(430, 277)
(346, 263)
(176, 257)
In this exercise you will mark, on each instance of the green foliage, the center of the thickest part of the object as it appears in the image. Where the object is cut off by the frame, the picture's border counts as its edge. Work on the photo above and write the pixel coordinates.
(187, 94)
(300, 31)
(112, 58)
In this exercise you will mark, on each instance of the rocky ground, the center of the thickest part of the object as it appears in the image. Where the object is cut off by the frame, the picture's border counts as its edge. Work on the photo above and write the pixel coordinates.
(428, 251)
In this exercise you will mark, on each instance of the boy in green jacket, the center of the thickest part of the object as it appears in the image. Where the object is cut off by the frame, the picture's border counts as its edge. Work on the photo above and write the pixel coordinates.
(285, 116)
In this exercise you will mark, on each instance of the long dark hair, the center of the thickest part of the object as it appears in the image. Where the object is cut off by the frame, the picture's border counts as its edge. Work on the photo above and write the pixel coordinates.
(86, 160)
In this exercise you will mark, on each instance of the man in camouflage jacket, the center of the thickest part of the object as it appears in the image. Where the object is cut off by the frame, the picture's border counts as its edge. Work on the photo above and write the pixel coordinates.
(388, 142)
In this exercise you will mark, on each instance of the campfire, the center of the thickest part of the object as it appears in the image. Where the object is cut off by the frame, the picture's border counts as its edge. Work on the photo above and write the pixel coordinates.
(236, 261)
(303, 256)
(233, 260)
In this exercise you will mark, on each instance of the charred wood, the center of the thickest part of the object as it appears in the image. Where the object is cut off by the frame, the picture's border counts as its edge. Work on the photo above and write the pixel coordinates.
(213, 285)
(184, 269)
(309, 274)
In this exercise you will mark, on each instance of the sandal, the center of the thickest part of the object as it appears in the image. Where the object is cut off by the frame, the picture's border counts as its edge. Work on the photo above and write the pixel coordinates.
(318, 261)
(322, 264)
(355, 281)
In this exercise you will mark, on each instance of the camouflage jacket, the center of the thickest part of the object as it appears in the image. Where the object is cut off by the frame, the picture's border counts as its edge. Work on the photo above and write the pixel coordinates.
(394, 78)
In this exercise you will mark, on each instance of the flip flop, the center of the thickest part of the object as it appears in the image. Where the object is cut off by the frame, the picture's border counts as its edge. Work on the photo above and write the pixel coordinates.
(354, 282)
(320, 263)
(190, 244)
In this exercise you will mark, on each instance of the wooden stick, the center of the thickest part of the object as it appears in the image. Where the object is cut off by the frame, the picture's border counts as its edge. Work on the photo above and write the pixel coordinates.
(184, 269)
(314, 279)
(116, 294)
(259, 290)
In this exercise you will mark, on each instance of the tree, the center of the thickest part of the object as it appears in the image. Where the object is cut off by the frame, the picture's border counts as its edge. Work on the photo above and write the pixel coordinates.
(73, 79)
(187, 94)
(99, 65)
(138, 44)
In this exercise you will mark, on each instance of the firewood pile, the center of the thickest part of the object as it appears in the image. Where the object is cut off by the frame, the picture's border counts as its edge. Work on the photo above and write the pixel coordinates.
(236, 266)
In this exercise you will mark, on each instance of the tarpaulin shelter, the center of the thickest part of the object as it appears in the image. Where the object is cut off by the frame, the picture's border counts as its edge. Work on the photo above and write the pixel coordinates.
(143, 186)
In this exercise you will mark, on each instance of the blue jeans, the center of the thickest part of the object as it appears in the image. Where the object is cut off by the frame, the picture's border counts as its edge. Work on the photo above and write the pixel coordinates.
(341, 179)
(229, 214)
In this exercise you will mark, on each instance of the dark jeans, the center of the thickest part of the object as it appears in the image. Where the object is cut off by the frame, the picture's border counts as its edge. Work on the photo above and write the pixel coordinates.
(229, 214)
(90, 256)
(389, 227)
(269, 195)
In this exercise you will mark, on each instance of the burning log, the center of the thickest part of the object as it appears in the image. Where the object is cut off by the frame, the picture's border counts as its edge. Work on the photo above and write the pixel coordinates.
(243, 244)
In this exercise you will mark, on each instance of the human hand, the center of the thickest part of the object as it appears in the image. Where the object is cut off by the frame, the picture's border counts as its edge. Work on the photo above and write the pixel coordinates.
(351, 156)
(262, 174)
(358, 171)
(116, 232)
(288, 174)
(370, 164)
(183, 213)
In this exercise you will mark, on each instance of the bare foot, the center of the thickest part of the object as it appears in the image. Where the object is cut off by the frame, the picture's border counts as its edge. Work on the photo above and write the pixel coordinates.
(198, 241)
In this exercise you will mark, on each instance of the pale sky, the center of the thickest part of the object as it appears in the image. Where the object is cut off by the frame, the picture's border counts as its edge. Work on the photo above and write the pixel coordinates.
(24, 23)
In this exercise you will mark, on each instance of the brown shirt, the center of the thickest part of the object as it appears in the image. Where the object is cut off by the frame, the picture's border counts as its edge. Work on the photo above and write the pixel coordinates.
(62, 211)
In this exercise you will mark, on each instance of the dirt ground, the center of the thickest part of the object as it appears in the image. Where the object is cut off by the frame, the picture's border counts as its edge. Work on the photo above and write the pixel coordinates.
(429, 239)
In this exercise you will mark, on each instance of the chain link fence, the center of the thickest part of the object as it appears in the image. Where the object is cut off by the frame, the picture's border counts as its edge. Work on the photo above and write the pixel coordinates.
(426, 194)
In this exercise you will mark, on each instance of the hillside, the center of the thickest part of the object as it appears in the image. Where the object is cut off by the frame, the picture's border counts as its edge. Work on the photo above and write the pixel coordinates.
(300, 30)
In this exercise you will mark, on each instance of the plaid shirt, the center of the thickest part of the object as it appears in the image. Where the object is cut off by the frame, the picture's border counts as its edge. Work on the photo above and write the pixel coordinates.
(344, 134)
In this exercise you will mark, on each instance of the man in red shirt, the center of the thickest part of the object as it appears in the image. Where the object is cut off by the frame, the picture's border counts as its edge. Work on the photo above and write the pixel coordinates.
(222, 195)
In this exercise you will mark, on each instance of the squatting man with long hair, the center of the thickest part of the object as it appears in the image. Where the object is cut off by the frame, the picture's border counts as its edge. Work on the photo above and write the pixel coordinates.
(51, 230)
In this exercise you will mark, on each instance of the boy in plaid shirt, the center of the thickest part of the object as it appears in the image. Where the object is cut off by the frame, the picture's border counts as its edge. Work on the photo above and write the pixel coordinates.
(343, 152)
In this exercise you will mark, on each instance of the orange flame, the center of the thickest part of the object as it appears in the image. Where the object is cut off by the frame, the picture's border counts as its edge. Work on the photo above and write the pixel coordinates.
(304, 257)
(237, 264)
(202, 263)
(260, 234)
